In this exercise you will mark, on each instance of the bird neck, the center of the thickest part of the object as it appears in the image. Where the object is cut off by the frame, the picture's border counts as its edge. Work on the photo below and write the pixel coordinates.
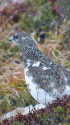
(30, 53)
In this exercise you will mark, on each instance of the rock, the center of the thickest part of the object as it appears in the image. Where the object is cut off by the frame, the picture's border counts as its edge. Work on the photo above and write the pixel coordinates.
(21, 110)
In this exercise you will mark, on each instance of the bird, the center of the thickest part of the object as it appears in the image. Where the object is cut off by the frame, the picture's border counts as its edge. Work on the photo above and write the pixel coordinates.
(45, 79)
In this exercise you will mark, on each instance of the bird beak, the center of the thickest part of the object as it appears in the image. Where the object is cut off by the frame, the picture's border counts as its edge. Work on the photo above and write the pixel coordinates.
(10, 39)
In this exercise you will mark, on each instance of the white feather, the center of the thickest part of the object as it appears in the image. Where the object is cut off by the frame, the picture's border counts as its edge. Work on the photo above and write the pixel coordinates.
(36, 64)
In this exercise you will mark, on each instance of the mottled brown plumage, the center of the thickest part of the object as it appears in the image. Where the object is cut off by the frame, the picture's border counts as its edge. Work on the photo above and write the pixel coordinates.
(41, 71)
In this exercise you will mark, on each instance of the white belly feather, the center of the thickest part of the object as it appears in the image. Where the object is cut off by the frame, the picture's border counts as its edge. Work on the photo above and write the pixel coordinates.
(39, 94)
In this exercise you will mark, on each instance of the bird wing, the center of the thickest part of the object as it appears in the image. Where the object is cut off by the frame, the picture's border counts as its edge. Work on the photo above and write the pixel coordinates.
(49, 75)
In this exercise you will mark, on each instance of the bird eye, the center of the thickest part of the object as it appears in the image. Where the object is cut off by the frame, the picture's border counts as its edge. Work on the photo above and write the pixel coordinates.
(15, 37)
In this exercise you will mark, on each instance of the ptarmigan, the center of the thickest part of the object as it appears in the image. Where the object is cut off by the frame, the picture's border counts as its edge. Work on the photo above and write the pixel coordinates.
(46, 79)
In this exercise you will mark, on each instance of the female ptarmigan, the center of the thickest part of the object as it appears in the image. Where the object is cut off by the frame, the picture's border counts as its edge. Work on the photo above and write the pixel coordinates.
(46, 79)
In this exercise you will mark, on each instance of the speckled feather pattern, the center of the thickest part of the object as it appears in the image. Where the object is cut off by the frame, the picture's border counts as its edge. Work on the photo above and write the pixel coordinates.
(41, 72)
(53, 76)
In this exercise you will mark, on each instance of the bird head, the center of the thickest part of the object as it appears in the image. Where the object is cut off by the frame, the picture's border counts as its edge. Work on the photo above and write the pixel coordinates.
(20, 38)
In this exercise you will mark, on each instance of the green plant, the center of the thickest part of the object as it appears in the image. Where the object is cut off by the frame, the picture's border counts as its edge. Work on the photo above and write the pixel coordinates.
(17, 123)
(66, 6)
(38, 116)
(28, 2)
(4, 106)
(14, 49)
(56, 53)
(58, 113)
(58, 109)
(44, 19)
(45, 119)
(5, 45)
